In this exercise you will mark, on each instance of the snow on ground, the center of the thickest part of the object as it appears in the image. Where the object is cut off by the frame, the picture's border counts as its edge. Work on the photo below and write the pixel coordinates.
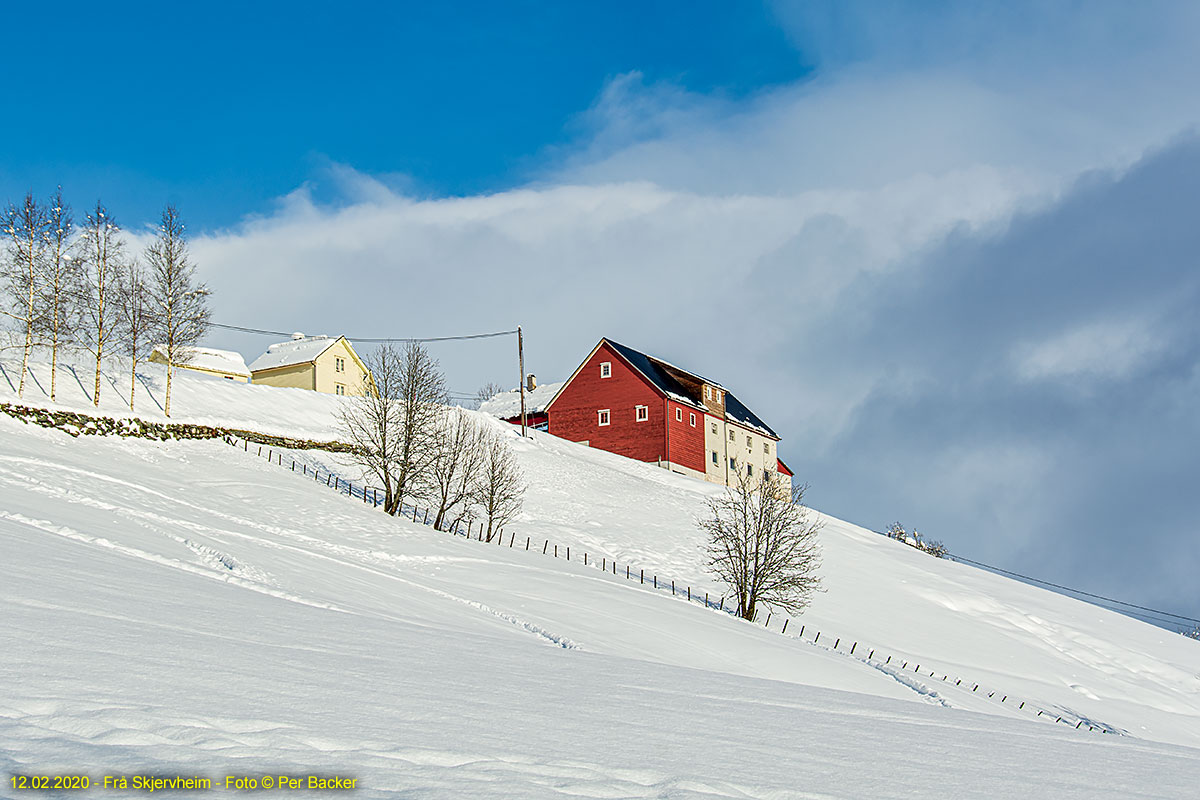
(187, 608)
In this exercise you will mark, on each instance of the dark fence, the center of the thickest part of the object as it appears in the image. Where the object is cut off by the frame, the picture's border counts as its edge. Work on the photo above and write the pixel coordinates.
(891, 664)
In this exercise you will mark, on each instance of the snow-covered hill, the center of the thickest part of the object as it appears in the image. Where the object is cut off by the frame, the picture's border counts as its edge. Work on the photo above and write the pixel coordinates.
(189, 608)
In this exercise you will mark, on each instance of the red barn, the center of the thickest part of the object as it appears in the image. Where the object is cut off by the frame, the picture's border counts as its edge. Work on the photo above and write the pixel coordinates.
(638, 406)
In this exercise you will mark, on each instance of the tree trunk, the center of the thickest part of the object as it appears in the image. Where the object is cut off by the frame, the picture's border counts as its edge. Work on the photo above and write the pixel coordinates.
(96, 395)
(132, 383)
(167, 409)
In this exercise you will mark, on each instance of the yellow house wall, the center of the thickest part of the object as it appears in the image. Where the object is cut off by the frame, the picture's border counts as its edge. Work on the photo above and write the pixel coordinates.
(747, 446)
(351, 378)
(298, 376)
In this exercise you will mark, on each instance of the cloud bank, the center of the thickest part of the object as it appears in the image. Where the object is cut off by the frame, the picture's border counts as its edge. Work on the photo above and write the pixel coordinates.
(959, 286)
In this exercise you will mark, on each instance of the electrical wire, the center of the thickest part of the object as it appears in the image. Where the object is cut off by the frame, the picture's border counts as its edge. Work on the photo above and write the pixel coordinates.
(374, 340)
(1075, 591)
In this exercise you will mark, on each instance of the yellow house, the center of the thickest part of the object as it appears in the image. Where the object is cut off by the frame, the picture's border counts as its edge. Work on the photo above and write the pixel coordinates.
(319, 363)
(207, 361)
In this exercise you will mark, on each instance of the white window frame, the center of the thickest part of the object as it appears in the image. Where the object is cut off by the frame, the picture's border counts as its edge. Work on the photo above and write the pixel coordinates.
(767, 448)
(339, 389)
(605, 369)
(641, 413)
(603, 417)
(749, 443)
(339, 364)
(679, 414)
(692, 419)
(716, 458)
(714, 429)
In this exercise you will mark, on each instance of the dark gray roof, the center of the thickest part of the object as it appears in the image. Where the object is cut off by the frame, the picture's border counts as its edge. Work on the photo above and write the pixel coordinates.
(653, 369)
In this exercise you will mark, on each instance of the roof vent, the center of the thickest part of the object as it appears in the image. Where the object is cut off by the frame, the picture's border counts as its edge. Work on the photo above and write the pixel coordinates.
(530, 382)
(297, 336)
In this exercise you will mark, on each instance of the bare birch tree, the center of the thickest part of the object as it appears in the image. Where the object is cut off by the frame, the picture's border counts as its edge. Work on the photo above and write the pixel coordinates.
(487, 392)
(180, 303)
(25, 232)
(101, 259)
(393, 423)
(458, 454)
(762, 542)
(499, 489)
(60, 284)
(136, 319)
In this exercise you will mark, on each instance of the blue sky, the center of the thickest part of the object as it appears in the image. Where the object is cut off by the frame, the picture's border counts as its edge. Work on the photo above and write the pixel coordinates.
(946, 249)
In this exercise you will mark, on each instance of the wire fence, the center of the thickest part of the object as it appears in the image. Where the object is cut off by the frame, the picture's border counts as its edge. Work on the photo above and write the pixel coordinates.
(918, 676)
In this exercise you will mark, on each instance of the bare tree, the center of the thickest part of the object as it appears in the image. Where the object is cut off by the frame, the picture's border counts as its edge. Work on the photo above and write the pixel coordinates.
(180, 303)
(25, 229)
(499, 489)
(762, 542)
(393, 422)
(102, 260)
(136, 319)
(60, 284)
(457, 457)
(487, 392)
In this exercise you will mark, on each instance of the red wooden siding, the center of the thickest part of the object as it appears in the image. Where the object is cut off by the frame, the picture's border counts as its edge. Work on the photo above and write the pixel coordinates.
(573, 415)
(686, 443)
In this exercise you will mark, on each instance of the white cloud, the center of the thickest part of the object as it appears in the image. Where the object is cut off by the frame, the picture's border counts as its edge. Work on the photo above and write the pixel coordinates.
(1107, 349)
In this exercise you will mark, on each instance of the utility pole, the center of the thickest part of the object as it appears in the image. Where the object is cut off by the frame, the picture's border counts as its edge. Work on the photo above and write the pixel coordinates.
(521, 361)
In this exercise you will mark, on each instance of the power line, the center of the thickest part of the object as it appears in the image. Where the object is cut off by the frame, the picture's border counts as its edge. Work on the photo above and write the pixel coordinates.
(373, 340)
(1075, 591)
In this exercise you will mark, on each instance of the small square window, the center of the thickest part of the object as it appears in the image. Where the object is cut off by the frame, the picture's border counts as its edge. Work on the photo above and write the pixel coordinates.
(642, 413)
(749, 442)
(767, 448)
(716, 458)
(693, 420)
(606, 369)
(749, 469)
(714, 427)
(733, 464)
(602, 417)
(679, 415)
(732, 436)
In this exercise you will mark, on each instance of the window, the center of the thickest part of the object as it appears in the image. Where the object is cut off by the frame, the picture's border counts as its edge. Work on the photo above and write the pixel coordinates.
(749, 469)
(767, 448)
(733, 464)
(642, 413)
(693, 420)
(606, 369)
(339, 389)
(339, 365)
(749, 442)
(602, 417)
(679, 415)
(732, 436)
(708, 393)
(714, 427)
(716, 458)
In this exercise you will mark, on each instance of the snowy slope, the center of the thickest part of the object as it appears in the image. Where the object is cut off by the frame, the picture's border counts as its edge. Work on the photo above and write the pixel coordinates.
(188, 607)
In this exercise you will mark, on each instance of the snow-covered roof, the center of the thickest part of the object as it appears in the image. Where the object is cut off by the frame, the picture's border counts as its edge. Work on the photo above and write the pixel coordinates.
(210, 358)
(292, 352)
(507, 405)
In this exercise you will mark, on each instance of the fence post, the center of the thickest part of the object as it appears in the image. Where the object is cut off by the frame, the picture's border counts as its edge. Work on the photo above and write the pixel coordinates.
(527, 538)
(641, 576)
(585, 559)
(851, 646)
(672, 588)
(556, 551)
(568, 552)
(722, 603)
(547, 544)
(626, 572)
(768, 624)
(817, 637)
(655, 581)
(689, 594)
(785, 622)
(801, 631)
